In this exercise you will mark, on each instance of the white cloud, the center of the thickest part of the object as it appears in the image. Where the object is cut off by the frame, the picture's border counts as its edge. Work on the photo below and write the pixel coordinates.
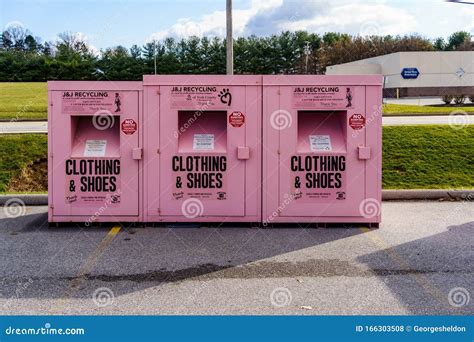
(87, 40)
(354, 17)
(81, 37)
(357, 19)
(440, 19)
(214, 24)
(14, 24)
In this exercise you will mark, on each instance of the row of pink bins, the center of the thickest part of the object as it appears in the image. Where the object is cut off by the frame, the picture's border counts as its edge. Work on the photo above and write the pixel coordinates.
(194, 148)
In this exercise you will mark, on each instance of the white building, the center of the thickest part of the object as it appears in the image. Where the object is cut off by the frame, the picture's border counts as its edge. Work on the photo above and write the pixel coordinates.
(439, 73)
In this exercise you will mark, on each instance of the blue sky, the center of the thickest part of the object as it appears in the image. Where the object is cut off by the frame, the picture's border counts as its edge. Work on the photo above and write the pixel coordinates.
(115, 22)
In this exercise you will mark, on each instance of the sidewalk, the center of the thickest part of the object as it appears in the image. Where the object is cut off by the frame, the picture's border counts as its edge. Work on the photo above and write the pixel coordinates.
(13, 127)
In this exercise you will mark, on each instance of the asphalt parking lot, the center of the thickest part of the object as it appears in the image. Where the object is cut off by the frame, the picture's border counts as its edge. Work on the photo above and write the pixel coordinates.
(420, 261)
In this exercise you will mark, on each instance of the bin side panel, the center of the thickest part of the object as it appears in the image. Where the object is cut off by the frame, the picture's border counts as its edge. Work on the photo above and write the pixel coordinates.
(270, 153)
(151, 123)
(50, 157)
(253, 140)
(374, 141)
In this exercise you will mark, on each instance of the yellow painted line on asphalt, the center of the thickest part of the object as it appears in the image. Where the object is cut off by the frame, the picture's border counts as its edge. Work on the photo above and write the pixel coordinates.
(419, 278)
(86, 268)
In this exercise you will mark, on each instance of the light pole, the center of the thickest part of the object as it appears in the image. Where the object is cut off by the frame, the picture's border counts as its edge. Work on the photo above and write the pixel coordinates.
(230, 43)
(307, 52)
(154, 54)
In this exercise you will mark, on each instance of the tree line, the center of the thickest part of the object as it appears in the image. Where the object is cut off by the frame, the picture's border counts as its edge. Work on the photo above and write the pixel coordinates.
(25, 57)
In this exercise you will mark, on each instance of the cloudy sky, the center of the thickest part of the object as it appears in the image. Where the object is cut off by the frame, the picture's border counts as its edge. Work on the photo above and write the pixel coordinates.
(114, 22)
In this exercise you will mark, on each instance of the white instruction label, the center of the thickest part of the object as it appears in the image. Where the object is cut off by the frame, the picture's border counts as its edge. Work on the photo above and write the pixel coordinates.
(95, 148)
(320, 143)
(203, 142)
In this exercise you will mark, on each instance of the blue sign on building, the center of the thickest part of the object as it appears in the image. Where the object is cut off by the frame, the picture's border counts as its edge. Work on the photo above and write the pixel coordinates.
(408, 73)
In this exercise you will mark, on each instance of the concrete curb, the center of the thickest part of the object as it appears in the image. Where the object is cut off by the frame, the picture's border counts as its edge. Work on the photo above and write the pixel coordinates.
(387, 195)
(23, 120)
(27, 199)
(23, 132)
(433, 195)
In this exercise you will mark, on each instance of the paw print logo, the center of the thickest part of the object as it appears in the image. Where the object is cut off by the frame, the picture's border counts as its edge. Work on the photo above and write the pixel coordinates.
(225, 96)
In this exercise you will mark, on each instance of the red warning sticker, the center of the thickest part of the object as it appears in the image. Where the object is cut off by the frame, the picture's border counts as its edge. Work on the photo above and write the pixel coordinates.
(237, 119)
(357, 121)
(129, 126)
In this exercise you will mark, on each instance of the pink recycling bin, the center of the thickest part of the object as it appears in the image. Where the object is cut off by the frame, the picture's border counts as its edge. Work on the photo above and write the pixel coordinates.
(203, 148)
(94, 151)
(322, 149)
(216, 148)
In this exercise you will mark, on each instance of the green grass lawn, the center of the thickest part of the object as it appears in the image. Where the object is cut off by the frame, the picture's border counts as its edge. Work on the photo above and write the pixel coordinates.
(400, 109)
(428, 157)
(23, 100)
(17, 152)
(414, 157)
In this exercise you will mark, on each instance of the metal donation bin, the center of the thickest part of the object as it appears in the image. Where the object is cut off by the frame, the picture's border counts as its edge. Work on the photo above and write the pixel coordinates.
(322, 149)
(220, 148)
(94, 151)
(203, 148)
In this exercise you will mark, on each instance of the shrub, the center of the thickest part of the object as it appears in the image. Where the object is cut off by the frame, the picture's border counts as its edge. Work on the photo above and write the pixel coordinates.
(447, 98)
(459, 99)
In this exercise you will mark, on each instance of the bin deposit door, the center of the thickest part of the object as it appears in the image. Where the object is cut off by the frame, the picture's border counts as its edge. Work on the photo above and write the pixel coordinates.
(202, 150)
(320, 171)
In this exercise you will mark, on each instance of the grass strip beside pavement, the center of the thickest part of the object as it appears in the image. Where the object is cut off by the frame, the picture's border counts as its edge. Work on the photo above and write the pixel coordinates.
(414, 157)
(428, 157)
(19, 152)
(23, 100)
(390, 109)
